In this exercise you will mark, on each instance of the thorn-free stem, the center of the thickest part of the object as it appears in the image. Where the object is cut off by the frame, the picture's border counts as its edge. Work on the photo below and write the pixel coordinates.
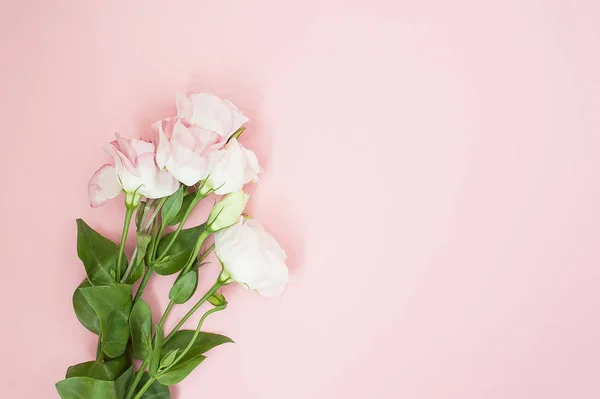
(128, 214)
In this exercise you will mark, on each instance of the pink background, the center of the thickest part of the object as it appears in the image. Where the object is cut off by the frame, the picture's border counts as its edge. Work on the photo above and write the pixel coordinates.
(431, 168)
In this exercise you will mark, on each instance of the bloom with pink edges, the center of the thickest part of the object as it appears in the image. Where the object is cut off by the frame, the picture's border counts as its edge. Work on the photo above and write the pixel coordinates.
(134, 170)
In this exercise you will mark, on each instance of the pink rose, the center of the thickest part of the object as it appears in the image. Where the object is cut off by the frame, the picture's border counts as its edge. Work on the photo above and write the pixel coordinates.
(211, 113)
(184, 149)
(135, 171)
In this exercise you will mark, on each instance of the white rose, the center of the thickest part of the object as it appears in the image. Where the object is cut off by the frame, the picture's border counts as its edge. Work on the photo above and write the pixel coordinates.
(252, 257)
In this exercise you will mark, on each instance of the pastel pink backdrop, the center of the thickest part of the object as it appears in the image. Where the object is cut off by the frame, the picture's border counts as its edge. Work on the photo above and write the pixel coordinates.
(431, 167)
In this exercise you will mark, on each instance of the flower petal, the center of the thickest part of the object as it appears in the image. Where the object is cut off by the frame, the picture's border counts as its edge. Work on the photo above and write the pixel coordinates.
(163, 146)
(182, 135)
(238, 118)
(226, 169)
(187, 166)
(211, 113)
(122, 163)
(275, 280)
(141, 147)
(251, 166)
(185, 108)
(103, 185)
(154, 183)
(252, 257)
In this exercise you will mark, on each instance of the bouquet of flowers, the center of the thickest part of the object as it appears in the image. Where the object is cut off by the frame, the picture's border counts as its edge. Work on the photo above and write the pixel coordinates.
(192, 155)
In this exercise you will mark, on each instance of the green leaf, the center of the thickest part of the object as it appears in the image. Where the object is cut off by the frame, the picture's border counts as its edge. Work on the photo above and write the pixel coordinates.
(140, 326)
(84, 311)
(93, 369)
(180, 371)
(112, 304)
(86, 388)
(168, 359)
(172, 205)
(106, 371)
(184, 287)
(179, 253)
(180, 340)
(204, 342)
(98, 254)
(142, 241)
(123, 382)
(116, 334)
(119, 364)
(156, 390)
(185, 204)
(159, 336)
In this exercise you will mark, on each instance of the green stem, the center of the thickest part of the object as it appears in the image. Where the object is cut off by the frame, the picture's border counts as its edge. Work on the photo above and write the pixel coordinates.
(189, 314)
(153, 244)
(140, 228)
(158, 236)
(196, 264)
(205, 253)
(186, 269)
(144, 388)
(128, 215)
(203, 236)
(196, 333)
(137, 378)
(148, 271)
(142, 286)
(210, 292)
(151, 247)
(130, 266)
(156, 230)
(155, 212)
(166, 313)
(99, 353)
(185, 351)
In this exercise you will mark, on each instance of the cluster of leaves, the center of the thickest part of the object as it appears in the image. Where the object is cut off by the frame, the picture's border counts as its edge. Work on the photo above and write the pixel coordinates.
(104, 304)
